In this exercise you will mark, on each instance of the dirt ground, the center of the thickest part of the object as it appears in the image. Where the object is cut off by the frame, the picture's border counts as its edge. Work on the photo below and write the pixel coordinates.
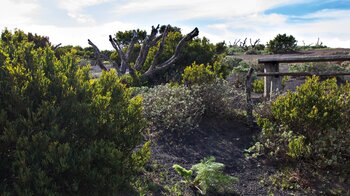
(226, 140)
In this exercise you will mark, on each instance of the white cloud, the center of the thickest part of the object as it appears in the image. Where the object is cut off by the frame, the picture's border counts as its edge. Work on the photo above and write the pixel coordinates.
(184, 9)
(79, 35)
(75, 9)
(17, 12)
(77, 5)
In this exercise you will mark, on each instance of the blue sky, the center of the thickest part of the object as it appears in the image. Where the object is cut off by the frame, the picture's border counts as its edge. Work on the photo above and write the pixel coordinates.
(75, 21)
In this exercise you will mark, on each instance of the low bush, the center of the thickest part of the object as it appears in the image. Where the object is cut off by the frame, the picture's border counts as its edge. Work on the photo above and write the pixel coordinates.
(62, 133)
(220, 98)
(172, 108)
(311, 123)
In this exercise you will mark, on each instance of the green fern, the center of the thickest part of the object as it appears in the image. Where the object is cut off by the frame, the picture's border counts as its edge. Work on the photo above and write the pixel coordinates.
(209, 177)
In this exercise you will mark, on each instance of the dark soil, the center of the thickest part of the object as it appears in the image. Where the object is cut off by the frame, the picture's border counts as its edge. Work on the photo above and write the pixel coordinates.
(226, 140)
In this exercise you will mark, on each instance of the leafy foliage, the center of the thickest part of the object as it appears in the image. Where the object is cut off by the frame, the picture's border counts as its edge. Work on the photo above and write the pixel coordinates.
(198, 74)
(258, 86)
(186, 174)
(209, 179)
(124, 37)
(60, 132)
(282, 44)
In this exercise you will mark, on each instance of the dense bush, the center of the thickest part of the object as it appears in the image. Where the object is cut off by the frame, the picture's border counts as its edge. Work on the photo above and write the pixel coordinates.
(198, 74)
(258, 86)
(282, 44)
(60, 132)
(220, 98)
(172, 108)
(311, 123)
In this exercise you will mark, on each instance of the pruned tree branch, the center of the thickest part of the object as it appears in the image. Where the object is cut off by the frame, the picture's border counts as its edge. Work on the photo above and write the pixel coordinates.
(147, 44)
(57, 46)
(160, 50)
(97, 55)
(131, 46)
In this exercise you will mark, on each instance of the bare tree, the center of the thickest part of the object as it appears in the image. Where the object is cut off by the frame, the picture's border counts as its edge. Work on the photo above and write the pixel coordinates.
(255, 42)
(150, 41)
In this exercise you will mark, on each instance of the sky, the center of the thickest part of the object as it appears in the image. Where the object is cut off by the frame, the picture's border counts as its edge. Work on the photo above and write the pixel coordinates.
(72, 22)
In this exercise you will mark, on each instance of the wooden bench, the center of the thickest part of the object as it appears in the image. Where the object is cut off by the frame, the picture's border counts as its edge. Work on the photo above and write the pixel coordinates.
(272, 76)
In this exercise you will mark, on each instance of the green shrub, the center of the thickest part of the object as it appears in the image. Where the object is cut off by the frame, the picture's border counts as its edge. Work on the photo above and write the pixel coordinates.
(198, 74)
(258, 86)
(172, 108)
(209, 178)
(60, 132)
(282, 44)
(312, 122)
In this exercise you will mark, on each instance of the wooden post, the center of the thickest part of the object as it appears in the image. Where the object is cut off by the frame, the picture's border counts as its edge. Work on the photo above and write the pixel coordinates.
(248, 90)
(272, 84)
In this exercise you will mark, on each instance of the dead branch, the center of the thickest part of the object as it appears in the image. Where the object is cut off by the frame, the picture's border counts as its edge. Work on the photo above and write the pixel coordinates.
(160, 50)
(57, 46)
(147, 44)
(97, 54)
(255, 42)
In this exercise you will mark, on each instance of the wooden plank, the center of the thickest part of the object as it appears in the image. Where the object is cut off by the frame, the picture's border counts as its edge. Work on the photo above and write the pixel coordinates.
(302, 74)
(301, 59)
